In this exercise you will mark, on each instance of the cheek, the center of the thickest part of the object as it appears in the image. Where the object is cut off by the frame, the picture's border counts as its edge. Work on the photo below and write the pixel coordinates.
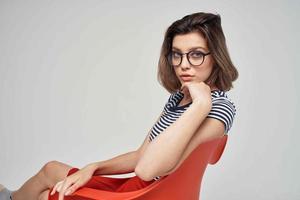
(203, 73)
(176, 70)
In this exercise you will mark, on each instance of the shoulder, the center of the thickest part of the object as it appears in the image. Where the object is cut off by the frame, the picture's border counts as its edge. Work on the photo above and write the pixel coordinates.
(223, 108)
(173, 98)
(220, 97)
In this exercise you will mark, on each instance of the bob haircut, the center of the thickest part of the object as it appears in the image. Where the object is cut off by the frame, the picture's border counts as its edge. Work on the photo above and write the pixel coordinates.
(209, 26)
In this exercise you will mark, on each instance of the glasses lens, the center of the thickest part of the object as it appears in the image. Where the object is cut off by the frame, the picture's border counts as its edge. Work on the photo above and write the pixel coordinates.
(196, 57)
(175, 58)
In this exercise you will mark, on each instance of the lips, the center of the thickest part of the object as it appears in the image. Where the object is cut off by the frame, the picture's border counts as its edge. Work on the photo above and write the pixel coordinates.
(185, 75)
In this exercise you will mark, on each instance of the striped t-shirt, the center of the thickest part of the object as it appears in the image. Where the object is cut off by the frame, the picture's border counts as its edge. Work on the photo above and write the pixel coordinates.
(222, 109)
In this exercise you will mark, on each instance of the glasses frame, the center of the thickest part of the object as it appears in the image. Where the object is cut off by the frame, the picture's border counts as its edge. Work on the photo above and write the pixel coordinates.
(188, 57)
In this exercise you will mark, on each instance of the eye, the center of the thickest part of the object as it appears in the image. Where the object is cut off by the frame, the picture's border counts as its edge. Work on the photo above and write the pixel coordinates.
(176, 54)
(196, 54)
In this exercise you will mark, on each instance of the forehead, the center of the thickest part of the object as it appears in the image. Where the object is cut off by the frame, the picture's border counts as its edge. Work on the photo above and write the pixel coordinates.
(189, 40)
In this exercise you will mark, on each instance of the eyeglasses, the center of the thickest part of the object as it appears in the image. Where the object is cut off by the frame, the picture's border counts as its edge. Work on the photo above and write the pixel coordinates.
(195, 58)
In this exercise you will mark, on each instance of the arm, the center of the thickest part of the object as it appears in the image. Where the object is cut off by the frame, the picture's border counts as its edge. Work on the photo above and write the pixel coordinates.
(122, 164)
(210, 129)
(217, 122)
(163, 153)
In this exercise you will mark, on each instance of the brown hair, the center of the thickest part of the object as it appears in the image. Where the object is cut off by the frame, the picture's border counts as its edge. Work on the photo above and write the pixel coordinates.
(209, 26)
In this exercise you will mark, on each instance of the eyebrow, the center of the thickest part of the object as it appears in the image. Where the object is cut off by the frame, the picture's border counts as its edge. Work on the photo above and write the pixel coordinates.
(192, 48)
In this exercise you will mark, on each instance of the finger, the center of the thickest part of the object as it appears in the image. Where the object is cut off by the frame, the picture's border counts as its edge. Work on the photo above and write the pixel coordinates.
(55, 187)
(64, 187)
(62, 190)
(183, 87)
(73, 188)
(59, 187)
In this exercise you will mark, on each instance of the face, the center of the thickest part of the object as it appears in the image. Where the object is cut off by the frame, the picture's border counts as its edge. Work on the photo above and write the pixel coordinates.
(188, 42)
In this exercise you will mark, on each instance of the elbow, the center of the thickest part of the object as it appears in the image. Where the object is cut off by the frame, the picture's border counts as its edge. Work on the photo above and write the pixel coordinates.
(147, 174)
(143, 174)
(147, 170)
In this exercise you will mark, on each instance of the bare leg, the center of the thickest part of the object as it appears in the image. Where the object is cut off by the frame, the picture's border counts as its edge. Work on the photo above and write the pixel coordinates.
(36, 187)
(44, 195)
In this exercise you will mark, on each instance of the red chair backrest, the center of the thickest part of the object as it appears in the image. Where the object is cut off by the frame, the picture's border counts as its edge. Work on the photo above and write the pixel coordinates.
(185, 182)
(216, 155)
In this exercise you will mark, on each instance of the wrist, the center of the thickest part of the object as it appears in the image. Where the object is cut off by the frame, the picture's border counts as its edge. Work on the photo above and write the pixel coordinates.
(94, 166)
(202, 104)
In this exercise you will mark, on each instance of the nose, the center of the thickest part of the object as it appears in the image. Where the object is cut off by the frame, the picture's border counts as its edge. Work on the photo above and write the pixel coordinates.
(185, 63)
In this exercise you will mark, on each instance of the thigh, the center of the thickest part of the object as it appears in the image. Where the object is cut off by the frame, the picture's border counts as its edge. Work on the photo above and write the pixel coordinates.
(44, 195)
(55, 171)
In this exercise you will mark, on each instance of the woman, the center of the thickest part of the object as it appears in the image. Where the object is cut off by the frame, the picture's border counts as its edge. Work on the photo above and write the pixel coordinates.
(195, 67)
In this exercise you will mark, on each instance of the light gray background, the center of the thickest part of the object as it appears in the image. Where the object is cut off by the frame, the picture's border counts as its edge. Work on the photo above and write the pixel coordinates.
(78, 85)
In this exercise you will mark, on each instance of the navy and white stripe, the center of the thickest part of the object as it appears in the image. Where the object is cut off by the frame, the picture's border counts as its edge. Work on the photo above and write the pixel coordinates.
(222, 109)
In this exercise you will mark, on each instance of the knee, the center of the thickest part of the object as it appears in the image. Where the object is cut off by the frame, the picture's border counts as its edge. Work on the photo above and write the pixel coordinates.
(49, 166)
(46, 171)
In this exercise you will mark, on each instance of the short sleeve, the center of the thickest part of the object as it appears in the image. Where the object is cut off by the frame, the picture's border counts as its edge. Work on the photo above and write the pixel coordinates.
(168, 102)
(224, 110)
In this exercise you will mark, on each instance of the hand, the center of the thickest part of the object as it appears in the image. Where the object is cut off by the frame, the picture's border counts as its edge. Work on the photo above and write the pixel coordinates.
(198, 91)
(71, 183)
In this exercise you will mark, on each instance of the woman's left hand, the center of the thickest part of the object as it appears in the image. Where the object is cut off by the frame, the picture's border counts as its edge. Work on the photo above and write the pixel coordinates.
(198, 91)
(73, 182)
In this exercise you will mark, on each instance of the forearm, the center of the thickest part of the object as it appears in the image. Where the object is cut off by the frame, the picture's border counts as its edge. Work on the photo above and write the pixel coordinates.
(122, 164)
(165, 151)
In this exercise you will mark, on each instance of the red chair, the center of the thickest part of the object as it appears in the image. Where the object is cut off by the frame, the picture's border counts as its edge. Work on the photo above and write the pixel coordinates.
(184, 183)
